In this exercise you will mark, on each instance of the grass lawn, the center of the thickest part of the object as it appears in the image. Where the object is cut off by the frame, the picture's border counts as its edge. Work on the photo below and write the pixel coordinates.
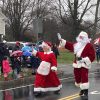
(65, 57)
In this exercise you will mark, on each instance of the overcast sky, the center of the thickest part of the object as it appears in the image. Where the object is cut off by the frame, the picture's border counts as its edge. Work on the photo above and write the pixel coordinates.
(89, 15)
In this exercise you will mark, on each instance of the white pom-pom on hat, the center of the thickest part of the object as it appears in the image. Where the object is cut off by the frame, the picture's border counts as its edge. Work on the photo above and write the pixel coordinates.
(4, 41)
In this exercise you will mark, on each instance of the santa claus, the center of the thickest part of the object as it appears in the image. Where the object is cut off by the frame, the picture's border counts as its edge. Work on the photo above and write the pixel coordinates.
(46, 77)
(84, 56)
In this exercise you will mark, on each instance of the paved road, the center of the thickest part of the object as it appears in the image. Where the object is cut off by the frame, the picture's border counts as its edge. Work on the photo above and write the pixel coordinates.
(68, 92)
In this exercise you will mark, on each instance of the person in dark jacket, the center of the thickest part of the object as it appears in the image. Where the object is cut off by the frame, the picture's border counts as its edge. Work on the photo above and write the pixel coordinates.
(55, 50)
(17, 46)
(3, 52)
(35, 62)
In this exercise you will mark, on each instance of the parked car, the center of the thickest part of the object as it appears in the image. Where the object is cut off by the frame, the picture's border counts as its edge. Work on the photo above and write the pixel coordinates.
(12, 44)
(22, 44)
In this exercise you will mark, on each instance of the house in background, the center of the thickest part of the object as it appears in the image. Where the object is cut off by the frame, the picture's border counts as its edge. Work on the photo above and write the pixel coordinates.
(2, 25)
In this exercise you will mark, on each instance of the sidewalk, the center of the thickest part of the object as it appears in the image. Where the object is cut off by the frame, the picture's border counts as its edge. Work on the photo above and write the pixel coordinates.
(64, 71)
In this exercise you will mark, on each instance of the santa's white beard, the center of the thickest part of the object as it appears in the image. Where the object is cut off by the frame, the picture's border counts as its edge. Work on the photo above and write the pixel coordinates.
(77, 47)
(80, 43)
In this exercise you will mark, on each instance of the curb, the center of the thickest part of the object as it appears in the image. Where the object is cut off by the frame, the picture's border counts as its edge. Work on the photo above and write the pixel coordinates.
(21, 81)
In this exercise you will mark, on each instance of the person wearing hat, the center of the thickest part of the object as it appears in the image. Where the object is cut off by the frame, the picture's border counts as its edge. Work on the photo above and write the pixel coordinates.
(46, 77)
(84, 56)
(17, 46)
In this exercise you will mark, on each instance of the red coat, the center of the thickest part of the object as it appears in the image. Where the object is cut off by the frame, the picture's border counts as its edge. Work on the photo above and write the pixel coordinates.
(87, 54)
(46, 79)
(6, 66)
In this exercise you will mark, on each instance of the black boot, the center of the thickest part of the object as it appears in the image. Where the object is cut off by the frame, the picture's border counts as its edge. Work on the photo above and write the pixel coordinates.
(81, 92)
(57, 92)
(37, 94)
(85, 95)
(85, 92)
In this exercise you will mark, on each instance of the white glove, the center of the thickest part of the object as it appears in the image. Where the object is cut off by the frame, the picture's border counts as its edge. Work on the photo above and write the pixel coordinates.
(59, 36)
(62, 43)
(53, 68)
(34, 52)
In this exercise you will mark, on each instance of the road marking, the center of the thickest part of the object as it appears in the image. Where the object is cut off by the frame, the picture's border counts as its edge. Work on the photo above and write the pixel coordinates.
(66, 78)
(16, 88)
(95, 92)
(71, 97)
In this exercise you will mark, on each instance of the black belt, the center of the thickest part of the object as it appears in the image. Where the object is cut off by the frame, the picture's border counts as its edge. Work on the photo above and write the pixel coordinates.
(78, 58)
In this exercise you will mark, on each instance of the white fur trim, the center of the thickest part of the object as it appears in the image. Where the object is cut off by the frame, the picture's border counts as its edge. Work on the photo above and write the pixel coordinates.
(84, 86)
(47, 89)
(54, 68)
(44, 68)
(80, 64)
(45, 44)
(49, 52)
(75, 65)
(87, 61)
(77, 84)
(62, 43)
(34, 52)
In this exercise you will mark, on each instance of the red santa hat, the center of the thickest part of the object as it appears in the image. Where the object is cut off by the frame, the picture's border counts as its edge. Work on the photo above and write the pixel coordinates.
(83, 34)
(44, 43)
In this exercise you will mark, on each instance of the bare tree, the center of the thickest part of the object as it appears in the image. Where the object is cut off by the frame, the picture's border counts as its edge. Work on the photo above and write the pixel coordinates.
(18, 13)
(42, 8)
(75, 10)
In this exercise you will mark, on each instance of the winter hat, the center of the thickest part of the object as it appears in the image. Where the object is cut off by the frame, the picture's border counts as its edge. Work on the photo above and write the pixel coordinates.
(17, 43)
(44, 43)
(83, 38)
(83, 34)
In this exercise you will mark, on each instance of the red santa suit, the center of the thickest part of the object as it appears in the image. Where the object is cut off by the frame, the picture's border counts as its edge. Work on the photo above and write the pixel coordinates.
(46, 79)
(87, 54)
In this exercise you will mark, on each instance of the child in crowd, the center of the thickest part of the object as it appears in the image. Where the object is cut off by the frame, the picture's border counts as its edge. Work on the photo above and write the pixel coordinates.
(6, 68)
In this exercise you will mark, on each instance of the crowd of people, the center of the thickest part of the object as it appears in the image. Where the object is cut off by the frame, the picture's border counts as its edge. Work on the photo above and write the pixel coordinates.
(14, 58)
